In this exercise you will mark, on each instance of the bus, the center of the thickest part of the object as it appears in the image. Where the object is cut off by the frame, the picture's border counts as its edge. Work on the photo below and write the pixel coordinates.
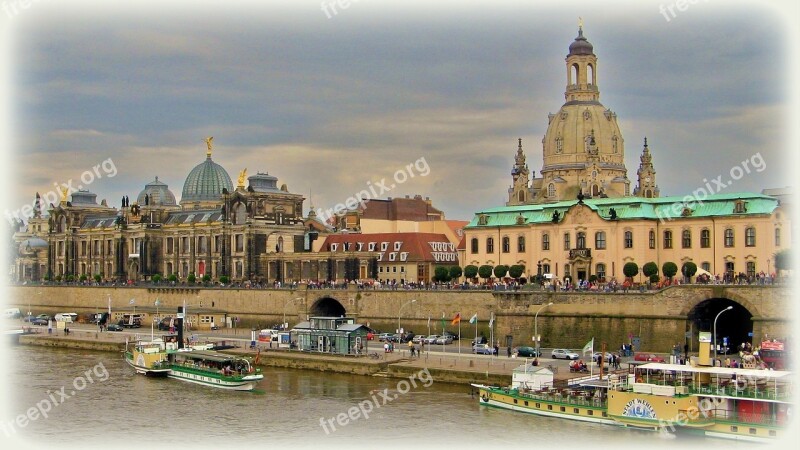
(773, 353)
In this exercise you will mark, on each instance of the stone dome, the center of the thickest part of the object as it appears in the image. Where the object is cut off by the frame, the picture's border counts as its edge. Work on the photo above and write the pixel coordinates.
(158, 193)
(32, 245)
(263, 182)
(581, 46)
(205, 183)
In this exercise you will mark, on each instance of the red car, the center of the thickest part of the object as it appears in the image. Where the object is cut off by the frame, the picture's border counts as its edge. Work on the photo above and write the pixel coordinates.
(648, 357)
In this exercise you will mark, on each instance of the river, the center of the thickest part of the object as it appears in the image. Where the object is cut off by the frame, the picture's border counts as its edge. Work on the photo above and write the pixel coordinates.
(104, 404)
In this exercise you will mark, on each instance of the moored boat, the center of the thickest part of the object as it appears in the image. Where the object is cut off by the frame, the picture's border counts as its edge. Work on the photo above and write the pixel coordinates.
(742, 404)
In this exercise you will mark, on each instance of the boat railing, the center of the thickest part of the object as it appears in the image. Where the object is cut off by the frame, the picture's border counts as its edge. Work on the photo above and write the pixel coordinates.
(748, 391)
(577, 398)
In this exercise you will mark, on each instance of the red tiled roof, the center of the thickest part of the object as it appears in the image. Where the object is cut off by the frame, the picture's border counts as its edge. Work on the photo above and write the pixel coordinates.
(417, 247)
(412, 209)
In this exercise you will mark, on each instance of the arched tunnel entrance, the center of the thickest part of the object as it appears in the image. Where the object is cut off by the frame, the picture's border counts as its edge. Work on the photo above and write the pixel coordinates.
(736, 325)
(327, 307)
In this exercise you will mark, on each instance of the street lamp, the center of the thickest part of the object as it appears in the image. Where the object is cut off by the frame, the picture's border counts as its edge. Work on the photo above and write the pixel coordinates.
(399, 313)
(536, 330)
(284, 325)
(715, 332)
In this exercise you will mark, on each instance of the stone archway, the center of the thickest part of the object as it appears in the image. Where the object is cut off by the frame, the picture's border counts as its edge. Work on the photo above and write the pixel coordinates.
(327, 307)
(133, 270)
(736, 324)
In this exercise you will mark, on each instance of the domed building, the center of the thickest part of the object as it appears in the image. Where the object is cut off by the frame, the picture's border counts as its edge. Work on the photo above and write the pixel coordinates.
(156, 193)
(204, 185)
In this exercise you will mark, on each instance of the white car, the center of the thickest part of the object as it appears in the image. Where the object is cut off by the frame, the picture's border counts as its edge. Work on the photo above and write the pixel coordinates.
(431, 339)
(563, 353)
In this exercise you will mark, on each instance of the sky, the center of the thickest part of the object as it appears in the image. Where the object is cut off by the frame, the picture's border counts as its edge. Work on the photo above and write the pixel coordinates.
(333, 99)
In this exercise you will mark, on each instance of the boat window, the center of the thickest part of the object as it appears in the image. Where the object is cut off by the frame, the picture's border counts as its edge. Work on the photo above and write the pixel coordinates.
(563, 409)
(576, 410)
(590, 412)
(752, 431)
(734, 429)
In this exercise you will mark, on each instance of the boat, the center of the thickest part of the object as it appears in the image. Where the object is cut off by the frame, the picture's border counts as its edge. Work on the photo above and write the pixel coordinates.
(732, 403)
(163, 357)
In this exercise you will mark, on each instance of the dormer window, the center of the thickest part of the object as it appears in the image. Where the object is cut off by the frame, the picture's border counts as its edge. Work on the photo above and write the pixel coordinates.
(686, 212)
(384, 246)
(740, 207)
(397, 245)
(371, 246)
(333, 247)
(360, 246)
(403, 256)
(392, 256)
(483, 219)
(520, 220)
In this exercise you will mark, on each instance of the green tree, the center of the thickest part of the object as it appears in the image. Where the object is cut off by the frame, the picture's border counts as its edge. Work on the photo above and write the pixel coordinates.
(173, 278)
(650, 269)
(783, 260)
(485, 271)
(206, 278)
(654, 278)
(83, 278)
(669, 269)
(70, 278)
(689, 269)
(97, 278)
(441, 274)
(500, 270)
(471, 271)
(455, 272)
(592, 278)
(516, 271)
(58, 278)
(630, 269)
(224, 279)
(156, 278)
(191, 278)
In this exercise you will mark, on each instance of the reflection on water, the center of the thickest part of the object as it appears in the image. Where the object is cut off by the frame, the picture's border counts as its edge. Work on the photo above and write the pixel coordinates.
(286, 409)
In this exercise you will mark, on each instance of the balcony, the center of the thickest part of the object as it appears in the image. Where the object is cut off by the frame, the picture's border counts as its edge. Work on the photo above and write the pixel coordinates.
(580, 253)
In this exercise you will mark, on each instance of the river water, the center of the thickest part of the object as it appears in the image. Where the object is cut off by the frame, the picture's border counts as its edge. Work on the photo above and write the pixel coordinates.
(105, 405)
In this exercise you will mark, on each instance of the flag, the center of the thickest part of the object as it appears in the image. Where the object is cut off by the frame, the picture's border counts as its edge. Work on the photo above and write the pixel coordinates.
(132, 301)
(429, 321)
(491, 321)
(456, 319)
(474, 318)
(588, 347)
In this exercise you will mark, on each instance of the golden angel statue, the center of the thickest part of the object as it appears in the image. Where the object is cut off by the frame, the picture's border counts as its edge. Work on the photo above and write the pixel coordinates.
(208, 141)
(64, 193)
(242, 175)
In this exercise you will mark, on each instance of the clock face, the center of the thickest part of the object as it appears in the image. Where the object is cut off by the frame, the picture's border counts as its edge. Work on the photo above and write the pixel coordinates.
(647, 179)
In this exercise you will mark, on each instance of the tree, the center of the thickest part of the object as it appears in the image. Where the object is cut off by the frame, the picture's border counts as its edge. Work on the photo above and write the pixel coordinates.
(654, 278)
(689, 269)
(669, 269)
(173, 278)
(156, 278)
(516, 271)
(224, 279)
(630, 269)
(70, 278)
(455, 272)
(471, 271)
(650, 269)
(485, 271)
(592, 278)
(441, 274)
(783, 260)
(206, 278)
(97, 278)
(191, 278)
(500, 270)
(83, 278)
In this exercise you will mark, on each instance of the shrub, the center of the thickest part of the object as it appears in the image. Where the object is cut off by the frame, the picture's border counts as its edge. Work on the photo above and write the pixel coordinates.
(500, 270)
(471, 271)
(669, 269)
(485, 271)
(650, 269)
(630, 269)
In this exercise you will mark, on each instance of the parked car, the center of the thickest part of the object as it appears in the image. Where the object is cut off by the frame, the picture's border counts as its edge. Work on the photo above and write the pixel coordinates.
(431, 339)
(527, 352)
(164, 324)
(444, 339)
(113, 327)
(563, 353)
(407, 336)
(483, 349)
(44, 316)
(651, 357)
(39, 321)
(384, 336)
(480, 340)
(418, 339)
(596, 357)
(453, 336)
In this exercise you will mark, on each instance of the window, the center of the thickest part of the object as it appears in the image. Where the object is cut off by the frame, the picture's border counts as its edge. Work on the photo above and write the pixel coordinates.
(474, 246)
(109, 247)
(751, 269)
(686, 239)
(506, 244)
(546, 241)
(600, 240)
(566, 241)
(521, 244)
(668, 239)
(652, 239)
(184, 245)
(97, 247)
(705, 239)
(580, 240)
(545, 268)
(629, 239)
(170, 243)
(551, 190)
(83, 248)
(483, 219)
(706, 266)
(240, 243)
(777, 237)
(201, 244)
(729, 237)
(600, 270)
(749, 237)
(489, 245)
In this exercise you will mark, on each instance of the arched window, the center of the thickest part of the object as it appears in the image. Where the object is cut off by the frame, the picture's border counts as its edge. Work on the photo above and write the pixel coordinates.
(686, 239)
(600, 240)
(581, 240)
(521, 196)
(600, 271)
(705, 238)
(668, 239)
(279, 247)
(551, 190)
(521, 244)
(489, 245)
(506, 244)
(729, 237)
(240, 214)
(750, 237)
(573, 74)
(777, 237)
(629, 239)
(545, 241)
(589, 74)
(474, 246)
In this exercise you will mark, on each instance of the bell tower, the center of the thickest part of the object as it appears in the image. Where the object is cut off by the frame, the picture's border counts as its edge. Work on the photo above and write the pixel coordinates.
(581, 71)
(647, 187)
(520, 192)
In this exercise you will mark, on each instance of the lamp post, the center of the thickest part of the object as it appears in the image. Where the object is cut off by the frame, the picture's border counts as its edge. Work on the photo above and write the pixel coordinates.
(536, 330)
(400, 312)
(715, 332)
(539, 273)
(284, 325)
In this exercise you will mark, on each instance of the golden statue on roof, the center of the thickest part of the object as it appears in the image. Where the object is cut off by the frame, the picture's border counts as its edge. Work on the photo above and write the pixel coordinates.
(242, 174)
(208, 141)
(64, 193)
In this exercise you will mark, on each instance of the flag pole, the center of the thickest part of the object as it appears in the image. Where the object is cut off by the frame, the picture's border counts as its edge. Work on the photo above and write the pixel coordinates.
(591, 366)
(459, 333)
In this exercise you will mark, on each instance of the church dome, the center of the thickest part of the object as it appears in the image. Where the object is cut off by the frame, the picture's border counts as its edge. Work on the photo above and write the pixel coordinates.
(158, 193)
(205, 182)
(581, 46)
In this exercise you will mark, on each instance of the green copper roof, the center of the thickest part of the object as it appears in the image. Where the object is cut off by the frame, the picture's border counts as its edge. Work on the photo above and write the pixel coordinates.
(205, 182)
(630, 208)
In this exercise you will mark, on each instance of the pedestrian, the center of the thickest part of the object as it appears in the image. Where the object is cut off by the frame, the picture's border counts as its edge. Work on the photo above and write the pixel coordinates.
(413, 350)
(508, 351)
(497, 349)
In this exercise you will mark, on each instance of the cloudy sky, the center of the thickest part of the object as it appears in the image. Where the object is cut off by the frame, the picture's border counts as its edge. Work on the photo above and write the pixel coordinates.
(330, 102)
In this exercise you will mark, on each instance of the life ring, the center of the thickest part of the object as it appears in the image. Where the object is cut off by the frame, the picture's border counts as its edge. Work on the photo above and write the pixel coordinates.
(485, 398)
